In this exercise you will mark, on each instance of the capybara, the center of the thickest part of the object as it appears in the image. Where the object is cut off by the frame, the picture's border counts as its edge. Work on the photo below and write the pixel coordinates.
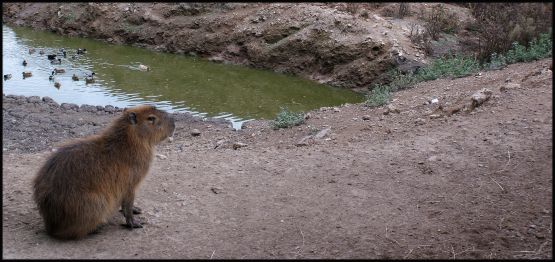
(83, 183)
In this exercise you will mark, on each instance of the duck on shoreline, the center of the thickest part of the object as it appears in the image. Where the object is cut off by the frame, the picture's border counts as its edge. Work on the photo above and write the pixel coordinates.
(7, 76)
(24, 62)
(27, 74)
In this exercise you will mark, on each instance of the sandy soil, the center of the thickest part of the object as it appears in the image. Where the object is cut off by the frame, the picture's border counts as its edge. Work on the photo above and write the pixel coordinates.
(399, 185)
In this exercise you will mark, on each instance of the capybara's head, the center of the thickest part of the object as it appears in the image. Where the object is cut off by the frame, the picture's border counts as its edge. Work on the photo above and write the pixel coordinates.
(148, 123)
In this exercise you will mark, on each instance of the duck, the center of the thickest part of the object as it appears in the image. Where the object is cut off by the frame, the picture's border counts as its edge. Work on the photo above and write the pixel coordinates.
(27, 74)
(74, 77)
(59, 70)
(31, 50)
(62, 52)
(24, 62)
(41, 52)
(51, 57)
(7, 76)
(51, 77)
(57, 84)
(144, 68)
(89, 80)
(56, 62)
(81, 51)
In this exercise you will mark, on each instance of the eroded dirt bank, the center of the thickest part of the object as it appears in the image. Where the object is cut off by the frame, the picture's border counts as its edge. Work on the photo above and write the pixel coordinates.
(322, 42)
(397, 185)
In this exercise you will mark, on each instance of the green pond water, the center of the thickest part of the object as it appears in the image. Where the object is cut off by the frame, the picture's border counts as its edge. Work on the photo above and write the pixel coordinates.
(175, 83)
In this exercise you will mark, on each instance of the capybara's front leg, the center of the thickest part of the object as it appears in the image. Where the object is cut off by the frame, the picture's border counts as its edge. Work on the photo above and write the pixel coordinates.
(127, 207)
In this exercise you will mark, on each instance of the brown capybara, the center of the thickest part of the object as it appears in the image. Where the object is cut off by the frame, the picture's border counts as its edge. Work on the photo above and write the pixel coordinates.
(84, 182)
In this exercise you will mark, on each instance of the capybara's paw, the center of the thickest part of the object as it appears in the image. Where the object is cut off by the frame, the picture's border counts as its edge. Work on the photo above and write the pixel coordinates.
(136, 210)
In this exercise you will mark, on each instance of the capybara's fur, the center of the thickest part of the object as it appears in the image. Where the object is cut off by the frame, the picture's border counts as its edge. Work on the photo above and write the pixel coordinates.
(84, 182)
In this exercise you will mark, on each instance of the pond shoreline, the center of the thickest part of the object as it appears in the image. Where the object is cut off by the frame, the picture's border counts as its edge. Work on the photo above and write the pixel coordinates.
(31, 123)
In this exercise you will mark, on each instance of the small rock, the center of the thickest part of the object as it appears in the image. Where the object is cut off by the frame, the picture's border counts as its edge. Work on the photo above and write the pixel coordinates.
(420, 121)
(162, 157)
(434, 101)
(434, 116)
(335, 109)
(433, 158)
(216, 190)
(322, 133)
(68, 106)
(366, 117)
(109, 108)
(237, 145)
(305, 141)
(195, 132)
(508, 86)
(391, 109)
(480, 97)
(307, 116)
(33, 99)
(220, 143)
(47, 99)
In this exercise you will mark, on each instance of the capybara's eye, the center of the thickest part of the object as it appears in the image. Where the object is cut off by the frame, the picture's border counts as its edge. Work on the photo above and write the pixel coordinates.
(151, 119)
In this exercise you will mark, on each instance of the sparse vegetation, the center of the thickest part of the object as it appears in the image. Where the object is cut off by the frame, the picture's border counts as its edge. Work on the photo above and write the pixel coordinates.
(440, 20)
(69, 17)
(537, 49)
(286, 119)
(379, 96)
(404, 10)
(460, 66)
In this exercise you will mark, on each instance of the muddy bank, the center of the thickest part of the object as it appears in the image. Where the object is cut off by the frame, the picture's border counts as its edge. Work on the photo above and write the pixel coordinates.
(321, 42)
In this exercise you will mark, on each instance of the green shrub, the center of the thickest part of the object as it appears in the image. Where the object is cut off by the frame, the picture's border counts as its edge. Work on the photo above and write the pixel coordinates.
(286, 119)
(379, 96)
(538, 49)
(401, 81)
(455, 66)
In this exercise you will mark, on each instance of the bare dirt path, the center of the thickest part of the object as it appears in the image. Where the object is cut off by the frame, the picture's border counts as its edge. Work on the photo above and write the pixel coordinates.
(472, 185)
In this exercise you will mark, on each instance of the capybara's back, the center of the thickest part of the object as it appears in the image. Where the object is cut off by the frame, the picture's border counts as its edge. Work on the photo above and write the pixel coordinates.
(83, 183)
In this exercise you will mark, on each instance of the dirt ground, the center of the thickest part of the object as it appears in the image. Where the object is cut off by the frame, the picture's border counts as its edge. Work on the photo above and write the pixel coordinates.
(398, 185)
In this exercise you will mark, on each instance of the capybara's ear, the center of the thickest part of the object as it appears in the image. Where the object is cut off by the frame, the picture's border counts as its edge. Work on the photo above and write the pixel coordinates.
(133, 118)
